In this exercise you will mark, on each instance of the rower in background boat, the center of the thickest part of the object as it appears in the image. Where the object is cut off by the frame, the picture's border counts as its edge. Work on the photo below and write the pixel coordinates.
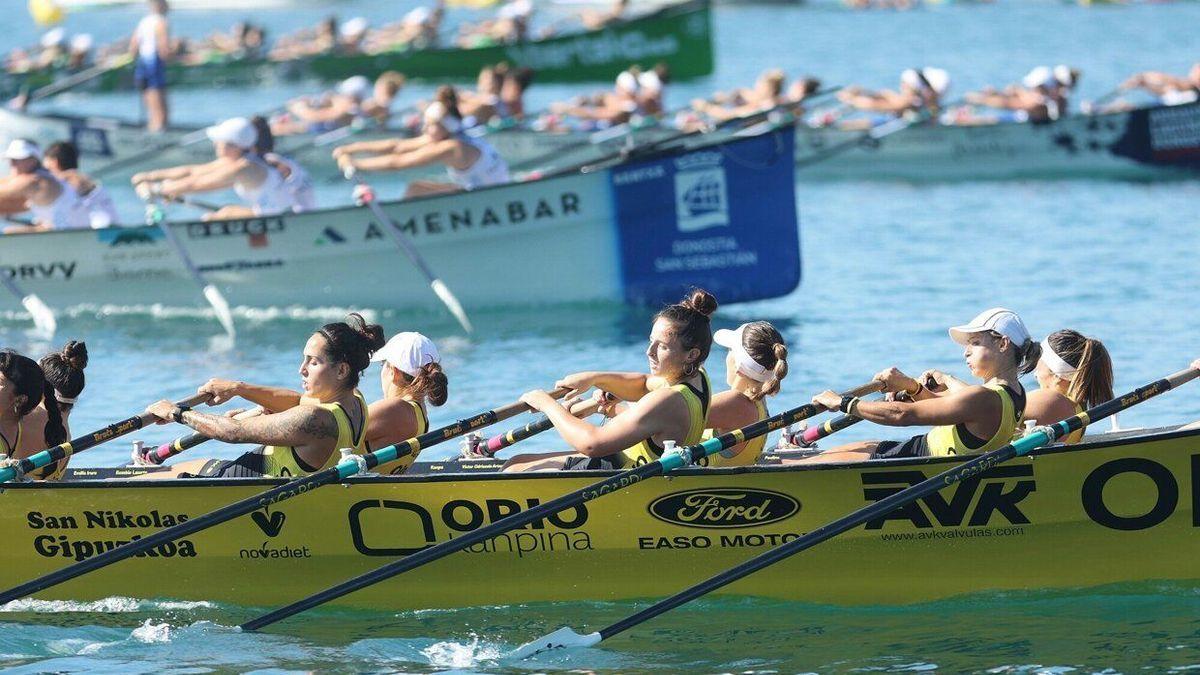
(1042, 97)
(967, 419)
(1169, 89)
(510, 26)
(150, 47)
(770, 91)
(635, 93)
(471, 163)
(63, 371)
(1074, 373)
(595, 20)
(62, 160)
(921, 92)
(354, 100)
(296, 179)
(236, 166)
(418, 29)
(300, 432)
(321, 39)
(499, 96)
(754, 369)
(23, 388)
(53, 203)
(412, 378)
(680, 340)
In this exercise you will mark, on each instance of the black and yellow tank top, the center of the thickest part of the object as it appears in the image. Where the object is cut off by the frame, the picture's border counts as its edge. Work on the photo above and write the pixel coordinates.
(401, 465)
(697, 403)
(956, 439)
(751, 451)
(282, 460)
(1077, 435)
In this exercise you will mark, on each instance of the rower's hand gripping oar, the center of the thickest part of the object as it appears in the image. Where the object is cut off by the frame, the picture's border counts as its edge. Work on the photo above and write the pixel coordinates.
(477, 447)
(832, 426)
(155, 217)
(565, 637)
(156, 456)
(347, 467)
(366, 195)
(78, 445)
(670, 460)
(43, 316)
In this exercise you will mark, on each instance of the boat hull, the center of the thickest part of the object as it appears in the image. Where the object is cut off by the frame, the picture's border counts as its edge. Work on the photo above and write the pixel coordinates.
(1117, 510)
(642, 232)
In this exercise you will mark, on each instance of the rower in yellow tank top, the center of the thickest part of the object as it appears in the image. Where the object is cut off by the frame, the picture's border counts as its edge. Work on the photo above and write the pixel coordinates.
(1073, 373)
(410, 378)
(956, 439)
(755, 366)
(283, 460)
(680, 340)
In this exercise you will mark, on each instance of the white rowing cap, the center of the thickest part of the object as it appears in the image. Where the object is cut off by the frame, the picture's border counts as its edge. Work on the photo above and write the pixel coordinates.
(1003, 321)
(407, 352)
(563, 638)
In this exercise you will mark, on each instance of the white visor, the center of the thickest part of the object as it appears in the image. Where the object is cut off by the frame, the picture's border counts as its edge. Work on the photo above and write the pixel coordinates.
(407, 352)
(746, 365)
(1057, 364)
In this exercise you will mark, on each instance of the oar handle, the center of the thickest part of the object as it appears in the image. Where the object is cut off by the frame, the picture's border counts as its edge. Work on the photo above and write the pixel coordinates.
(500, 441)
(829, 427)
(168, 450)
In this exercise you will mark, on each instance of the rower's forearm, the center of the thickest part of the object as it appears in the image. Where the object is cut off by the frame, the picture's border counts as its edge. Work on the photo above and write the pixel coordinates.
(218, 427)
(626, 386)
(580, 435)
(272, 399)
(384, 163)
(887, 413)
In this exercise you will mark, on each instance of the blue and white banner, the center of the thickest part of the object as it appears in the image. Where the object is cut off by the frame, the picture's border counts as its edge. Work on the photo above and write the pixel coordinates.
(722, 218)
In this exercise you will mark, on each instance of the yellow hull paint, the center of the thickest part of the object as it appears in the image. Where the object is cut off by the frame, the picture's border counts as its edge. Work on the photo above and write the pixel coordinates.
(1121, 508)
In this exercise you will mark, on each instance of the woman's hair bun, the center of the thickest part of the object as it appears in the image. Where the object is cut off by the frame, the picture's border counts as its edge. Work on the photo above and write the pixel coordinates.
(75, 355)
(700, 300)
(372, 333)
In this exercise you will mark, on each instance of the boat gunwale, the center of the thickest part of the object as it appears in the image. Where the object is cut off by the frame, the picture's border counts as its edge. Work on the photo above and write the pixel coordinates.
(1156, 434)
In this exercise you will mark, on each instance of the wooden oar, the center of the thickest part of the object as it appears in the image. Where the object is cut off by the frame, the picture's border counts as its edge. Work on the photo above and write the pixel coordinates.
(43, 316)
(156, 456)
(155, 217)
(367, 197)
(82, 77)
(78, 445)
(347, 467)
(669, 461)
(566, 637)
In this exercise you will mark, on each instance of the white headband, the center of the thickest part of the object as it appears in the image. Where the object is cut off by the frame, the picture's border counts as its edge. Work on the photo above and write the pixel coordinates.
(64, 399)
(1055, 363)
(748, 366)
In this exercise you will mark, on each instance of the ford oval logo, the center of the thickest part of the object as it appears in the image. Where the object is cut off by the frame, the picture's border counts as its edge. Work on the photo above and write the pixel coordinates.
(724, 507)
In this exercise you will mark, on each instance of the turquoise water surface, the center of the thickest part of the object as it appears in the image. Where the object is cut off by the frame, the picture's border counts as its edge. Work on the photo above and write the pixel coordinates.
(887, 267)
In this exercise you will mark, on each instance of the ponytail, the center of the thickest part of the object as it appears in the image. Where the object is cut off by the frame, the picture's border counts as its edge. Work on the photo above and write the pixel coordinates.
(430, 383)
(1028, 355)
(763, 343)
(55, 431)
(1092, 382)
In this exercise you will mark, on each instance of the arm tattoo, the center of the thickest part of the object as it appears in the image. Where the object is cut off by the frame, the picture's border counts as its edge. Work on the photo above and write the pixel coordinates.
(296, 426)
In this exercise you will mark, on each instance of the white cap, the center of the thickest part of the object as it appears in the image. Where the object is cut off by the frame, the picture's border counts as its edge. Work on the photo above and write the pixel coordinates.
(937, 78)
(1064, 76)
(732, 340)
(23, 149)
(82, 42)
(436, 113)
(627, 82)
(353, 27)
(1039, 77)
(1003, 321)
(407, 352)
(650, 81)
(516, 9)
(54, 36)
(236, 131)
(358, 87)
(418, 15)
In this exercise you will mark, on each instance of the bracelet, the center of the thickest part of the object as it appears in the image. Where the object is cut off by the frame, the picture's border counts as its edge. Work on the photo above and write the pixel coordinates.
(913, 394)
(848, 404)
(177, 413)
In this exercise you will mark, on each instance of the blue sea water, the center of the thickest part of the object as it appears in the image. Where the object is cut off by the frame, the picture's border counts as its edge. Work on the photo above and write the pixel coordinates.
(888, 266)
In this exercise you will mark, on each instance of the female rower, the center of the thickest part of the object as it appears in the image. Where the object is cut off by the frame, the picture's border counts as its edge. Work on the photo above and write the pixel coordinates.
(23, 387)
(62, 160)
(1074, 373)
(969, 419)
(237, 166)
(295, 177)
(301, 432)
(679, 343)
(472, 163)
(921, 90)
(51, 201)
(754, 368)
(63, 371)
(411, 377)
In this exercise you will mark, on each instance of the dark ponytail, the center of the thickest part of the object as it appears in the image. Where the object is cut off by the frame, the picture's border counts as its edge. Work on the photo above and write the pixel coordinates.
(29, 381)
(64, 373)
(1091, 384)
(691, 320)
(1028, 355)
(430, 383)
(352, 342)
(55, 431)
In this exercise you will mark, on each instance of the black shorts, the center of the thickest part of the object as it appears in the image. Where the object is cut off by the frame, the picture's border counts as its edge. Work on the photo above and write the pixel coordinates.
(249, 465)
(916, 446)
(609, 463)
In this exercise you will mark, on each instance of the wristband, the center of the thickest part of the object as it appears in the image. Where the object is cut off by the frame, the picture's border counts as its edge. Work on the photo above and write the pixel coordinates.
(848, 403)
(913, 394)
(177, 413)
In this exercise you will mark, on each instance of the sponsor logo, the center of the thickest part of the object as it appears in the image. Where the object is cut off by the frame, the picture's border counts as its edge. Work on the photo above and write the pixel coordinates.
(400, 528)
(330, 236)
(77, 544)
(270, 523)
(975, 501)
(724, 508)
(769, 539)
(251, 227)
(133, 236)
(1175, 129)
(241, 265)
(1165, 486)
(609, 47)
(51, 270)
(701, 195)
(509, 213)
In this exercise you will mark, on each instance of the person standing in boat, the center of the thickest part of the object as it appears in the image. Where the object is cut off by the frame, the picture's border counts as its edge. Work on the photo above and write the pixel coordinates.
(53, 203)
(412, 378)
(300, 432)
(237, 166)
(472, 163)
(295, 177)
(674, 410)
(754, 369)
(967, 419)
(1074, 373)
(150, 48)
(62, 160)
(23, 388)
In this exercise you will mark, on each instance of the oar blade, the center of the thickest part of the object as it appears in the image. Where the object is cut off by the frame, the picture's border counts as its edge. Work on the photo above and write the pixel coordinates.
(563, 638)
(221, 306)
(43, 316)
(452, 304)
